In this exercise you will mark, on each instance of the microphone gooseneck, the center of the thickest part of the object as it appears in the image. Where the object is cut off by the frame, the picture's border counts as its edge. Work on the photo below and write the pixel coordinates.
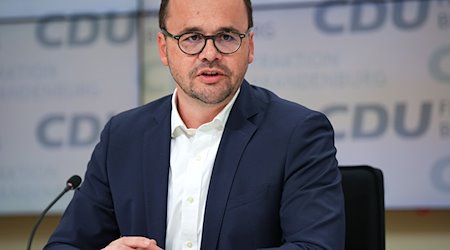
(71, 184)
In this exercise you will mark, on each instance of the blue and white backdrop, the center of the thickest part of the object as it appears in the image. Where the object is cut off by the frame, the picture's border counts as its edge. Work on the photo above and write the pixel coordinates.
(380, 71)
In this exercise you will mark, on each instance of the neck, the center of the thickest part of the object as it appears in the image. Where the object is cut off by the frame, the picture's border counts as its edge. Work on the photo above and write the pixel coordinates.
(194, 113)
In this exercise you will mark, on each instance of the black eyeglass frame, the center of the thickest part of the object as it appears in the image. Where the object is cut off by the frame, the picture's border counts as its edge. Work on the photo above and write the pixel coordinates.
(213, 38)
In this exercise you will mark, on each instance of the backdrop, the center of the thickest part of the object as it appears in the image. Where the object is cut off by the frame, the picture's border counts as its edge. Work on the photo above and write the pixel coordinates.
(380, 71)
(61, 77)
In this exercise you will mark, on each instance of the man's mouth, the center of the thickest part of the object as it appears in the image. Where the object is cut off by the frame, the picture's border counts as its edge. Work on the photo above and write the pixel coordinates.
(209, 76)
(210, 73)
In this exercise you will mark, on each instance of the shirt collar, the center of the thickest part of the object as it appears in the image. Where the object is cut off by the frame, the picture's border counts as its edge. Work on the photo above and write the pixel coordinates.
(178, 127)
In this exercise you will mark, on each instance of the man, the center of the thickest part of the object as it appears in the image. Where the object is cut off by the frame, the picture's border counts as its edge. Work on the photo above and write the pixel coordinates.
(220, 164)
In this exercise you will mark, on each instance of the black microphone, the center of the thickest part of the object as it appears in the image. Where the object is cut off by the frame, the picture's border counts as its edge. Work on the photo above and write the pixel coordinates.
(72, 183)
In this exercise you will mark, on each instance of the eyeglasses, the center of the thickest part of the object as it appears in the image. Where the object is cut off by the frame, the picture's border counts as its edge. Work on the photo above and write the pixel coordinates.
(193, 43)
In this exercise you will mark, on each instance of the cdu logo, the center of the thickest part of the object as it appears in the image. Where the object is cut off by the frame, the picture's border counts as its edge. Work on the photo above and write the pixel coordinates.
(372, 121)
(73, 130)
(370, 16)
(84, 30)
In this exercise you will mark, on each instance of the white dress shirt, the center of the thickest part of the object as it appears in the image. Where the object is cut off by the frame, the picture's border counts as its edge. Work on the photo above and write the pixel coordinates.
(192, 155)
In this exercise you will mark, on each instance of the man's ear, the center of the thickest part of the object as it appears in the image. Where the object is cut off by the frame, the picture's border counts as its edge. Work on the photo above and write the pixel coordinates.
(251, 47)
(162, 46)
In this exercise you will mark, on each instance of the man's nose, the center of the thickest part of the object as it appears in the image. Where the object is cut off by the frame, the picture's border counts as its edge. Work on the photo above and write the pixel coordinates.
(210, 52)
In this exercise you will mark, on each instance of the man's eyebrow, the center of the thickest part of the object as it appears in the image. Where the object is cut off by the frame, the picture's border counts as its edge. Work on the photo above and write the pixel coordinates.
(190, 29)
(198, 30)
(229, 29)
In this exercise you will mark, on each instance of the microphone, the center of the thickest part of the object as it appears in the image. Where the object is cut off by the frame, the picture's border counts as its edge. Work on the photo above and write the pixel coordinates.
(71, 184)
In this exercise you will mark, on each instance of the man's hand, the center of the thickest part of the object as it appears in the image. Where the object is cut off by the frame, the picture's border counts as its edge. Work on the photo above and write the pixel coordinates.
(133, 242)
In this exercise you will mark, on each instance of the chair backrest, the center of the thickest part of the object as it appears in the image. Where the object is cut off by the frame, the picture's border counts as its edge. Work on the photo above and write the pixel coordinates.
(364, 207)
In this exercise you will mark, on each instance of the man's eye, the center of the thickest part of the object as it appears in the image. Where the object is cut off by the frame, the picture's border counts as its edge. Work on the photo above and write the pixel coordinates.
(193, 38)
(227, 37)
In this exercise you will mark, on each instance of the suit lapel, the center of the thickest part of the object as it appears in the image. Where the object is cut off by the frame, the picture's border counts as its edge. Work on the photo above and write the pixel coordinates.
(237, 134)
(156, 161)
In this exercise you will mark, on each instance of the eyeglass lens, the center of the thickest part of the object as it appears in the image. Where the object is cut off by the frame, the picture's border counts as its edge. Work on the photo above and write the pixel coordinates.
(225, 42)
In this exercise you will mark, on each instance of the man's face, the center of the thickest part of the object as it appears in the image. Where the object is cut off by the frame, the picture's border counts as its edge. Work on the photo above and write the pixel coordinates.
(209, 77)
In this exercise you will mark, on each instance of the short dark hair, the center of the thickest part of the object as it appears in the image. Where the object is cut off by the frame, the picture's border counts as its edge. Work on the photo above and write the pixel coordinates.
(165, 3)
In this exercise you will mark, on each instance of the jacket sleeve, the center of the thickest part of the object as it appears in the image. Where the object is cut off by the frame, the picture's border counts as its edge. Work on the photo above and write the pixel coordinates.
(312, 211)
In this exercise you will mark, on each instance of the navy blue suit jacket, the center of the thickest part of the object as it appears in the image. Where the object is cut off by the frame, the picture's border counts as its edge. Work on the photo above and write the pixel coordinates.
(275, 182)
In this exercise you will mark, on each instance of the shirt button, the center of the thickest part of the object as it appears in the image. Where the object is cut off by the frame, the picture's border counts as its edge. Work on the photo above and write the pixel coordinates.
(190, 200)
(189, 244)
(190, 132)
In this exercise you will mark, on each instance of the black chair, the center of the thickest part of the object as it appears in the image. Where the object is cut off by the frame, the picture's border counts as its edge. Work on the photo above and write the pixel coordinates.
(364, 207)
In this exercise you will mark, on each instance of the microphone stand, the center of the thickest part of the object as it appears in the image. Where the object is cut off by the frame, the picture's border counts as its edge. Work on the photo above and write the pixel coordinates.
(41, 217)
(71, 184)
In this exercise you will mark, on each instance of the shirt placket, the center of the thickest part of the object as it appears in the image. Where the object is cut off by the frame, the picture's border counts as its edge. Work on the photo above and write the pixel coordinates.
(191, 195)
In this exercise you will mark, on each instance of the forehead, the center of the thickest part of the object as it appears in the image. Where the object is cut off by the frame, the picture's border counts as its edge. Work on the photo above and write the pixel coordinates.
(206, 15)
